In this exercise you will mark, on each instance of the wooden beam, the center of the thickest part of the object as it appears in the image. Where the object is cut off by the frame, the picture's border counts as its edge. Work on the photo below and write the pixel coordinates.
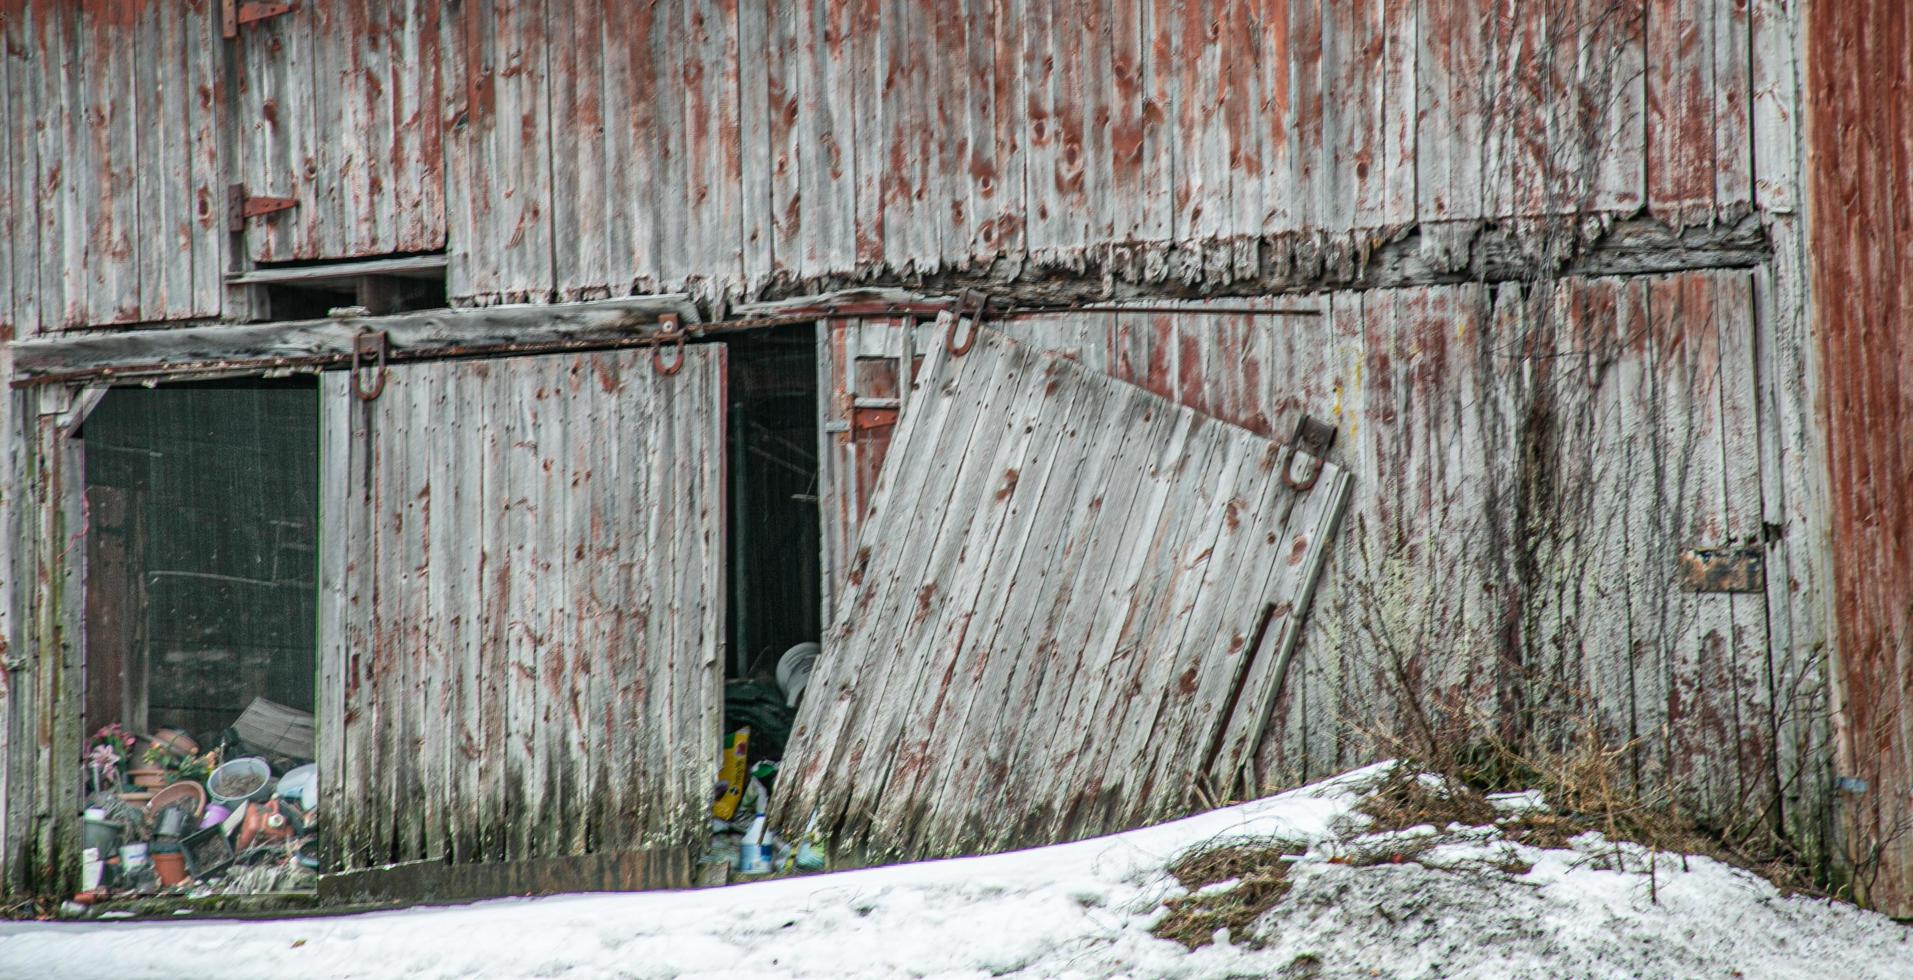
(1428, 254)
(226, 349)
(333, 271)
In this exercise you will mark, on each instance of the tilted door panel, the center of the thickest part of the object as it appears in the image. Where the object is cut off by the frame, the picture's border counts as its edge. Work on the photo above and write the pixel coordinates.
(1068, 605)
(521, 623)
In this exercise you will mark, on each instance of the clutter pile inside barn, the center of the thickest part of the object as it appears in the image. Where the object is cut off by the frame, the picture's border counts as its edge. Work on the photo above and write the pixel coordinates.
(742, 845)
(168, 814)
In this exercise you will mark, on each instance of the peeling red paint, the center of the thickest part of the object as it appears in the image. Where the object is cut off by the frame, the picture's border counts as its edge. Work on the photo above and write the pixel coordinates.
(1860, 130)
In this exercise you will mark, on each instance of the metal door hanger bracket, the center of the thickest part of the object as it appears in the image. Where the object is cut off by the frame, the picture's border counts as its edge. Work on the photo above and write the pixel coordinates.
(669, 332)
(369, 345)
(976, 304)
(1314, 437)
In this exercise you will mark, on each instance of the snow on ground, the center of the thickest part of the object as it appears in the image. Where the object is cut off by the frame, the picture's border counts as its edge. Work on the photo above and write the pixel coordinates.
(1073, 910)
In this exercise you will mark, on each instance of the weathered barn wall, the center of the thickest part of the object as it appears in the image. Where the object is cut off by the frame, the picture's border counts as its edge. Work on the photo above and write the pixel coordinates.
(112, 192)
(1860, 152)
(522, 608)
(1215, 145)
(562, 149)
(1531, 462)
(722, 148)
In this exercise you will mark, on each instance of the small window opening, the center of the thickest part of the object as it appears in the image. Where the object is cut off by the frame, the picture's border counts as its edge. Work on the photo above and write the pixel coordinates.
(308, 290)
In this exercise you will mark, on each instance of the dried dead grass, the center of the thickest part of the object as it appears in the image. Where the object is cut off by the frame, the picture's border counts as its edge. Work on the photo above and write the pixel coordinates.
(1587, 788)
(1260, 871)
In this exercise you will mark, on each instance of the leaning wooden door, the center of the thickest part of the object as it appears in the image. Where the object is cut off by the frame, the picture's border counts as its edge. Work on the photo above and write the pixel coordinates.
(522, 608)
(1071, 603)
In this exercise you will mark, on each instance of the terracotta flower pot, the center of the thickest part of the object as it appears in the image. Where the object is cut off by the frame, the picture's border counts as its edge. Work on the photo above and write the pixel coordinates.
(171, 866)
(148, 777)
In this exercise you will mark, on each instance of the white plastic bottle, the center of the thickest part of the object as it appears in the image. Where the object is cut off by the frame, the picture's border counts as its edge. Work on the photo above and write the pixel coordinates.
(754, 853)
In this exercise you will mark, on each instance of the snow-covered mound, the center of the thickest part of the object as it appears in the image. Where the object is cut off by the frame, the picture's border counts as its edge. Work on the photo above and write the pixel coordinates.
(1464, 905)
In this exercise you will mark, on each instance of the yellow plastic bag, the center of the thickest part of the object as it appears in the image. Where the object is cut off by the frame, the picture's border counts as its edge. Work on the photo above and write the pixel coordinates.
(733, 773)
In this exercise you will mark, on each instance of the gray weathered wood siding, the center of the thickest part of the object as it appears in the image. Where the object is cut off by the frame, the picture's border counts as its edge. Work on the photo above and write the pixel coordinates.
(112, 193)
(522, 607)
(43, 518)
(1068, 605)
(337, 106)
(1528, 464)
(721, 146)
(566, 149)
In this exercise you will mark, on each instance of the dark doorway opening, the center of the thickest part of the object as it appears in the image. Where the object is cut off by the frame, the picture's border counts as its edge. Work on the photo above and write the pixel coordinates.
(775, 567)
(201, 593)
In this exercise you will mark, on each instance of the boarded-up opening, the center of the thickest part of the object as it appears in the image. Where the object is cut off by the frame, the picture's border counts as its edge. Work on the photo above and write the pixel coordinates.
(1070, 607)
(201, 553)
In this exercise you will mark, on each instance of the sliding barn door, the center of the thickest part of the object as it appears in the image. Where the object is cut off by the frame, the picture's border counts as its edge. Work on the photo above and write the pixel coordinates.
(1069, 607)
(522, 608)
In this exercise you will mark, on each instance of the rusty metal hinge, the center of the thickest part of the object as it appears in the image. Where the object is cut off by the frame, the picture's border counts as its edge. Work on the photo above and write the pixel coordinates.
(234, 15)
(241, 206)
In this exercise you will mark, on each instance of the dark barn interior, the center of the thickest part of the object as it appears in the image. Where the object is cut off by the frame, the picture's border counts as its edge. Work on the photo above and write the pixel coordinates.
(201, 583)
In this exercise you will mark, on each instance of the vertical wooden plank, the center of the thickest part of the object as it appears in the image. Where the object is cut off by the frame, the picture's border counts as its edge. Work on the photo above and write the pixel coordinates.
(1748, 676)
(1680, 107)
(754, 58)
(1355, 76)
(417, 156)
(1697, 627)
(1307, 137)
(1611, 89)
(714, 157)
(1732, 114)
(1045, 103)
(212, 101)
(583, 261)
(110, 78)
(59, 247)
(633, 146)
(467, 108)
(20, 200)
(787, 114)
(1773, 79)
(1400, 111)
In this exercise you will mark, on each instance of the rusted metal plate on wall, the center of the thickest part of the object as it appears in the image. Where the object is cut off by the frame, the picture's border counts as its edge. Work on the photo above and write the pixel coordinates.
(522, 607)
(1860, 127)
(1069, 603)
(1724, 570)
(112, 196)
(337, 108)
